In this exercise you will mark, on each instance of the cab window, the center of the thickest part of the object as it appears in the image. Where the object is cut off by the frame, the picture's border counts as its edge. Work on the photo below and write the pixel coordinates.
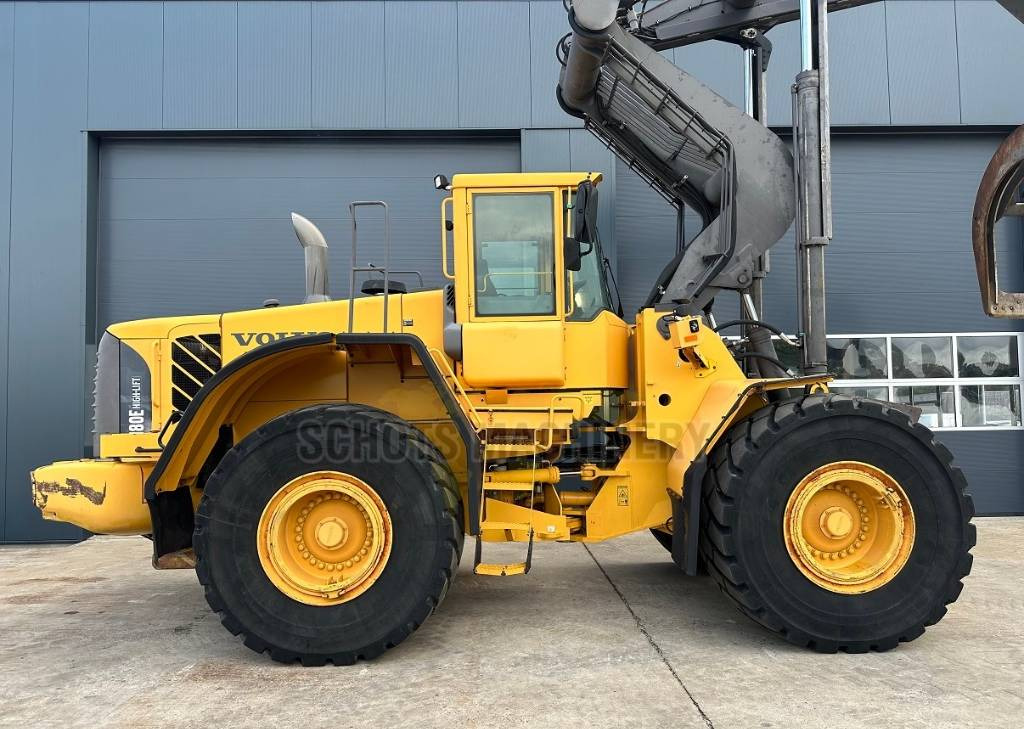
(514, 253)
(587, 289)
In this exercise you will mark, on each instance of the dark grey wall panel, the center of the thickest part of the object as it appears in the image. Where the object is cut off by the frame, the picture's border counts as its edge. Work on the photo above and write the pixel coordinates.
(494, 64)
(548, 23)
(348, 65)
(46, 375)
(924, 81)
(545, 150)
(993, 462)
(901, 258)
(209, 219)
(717, 64)
(782, 71)
(422, 65)
(274, 65)
(6, 106)
(990, 45)
(859, 66)
(858, 57)
(125, 65)
(200, 65)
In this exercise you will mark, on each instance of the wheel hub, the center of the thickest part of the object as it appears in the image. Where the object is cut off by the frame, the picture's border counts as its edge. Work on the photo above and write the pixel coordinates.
(836, 522)
(324, 538)
(849, 527)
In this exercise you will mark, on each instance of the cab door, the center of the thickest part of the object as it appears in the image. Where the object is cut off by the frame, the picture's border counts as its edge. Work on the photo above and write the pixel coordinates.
(514, 332)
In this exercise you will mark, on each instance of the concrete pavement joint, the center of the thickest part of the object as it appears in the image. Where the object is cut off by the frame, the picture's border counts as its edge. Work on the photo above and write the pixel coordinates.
(650, 639)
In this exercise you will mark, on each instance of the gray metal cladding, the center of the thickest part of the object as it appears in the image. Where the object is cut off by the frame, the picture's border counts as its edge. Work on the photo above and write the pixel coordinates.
(989, 48)
(858, 67)
(494, 64)
(6, 106)
(422, 64)
(717, 64)
(546, 150)
(547, 24)
(200, 65)
(349, 58)
(126, 65)
(993, 462)
(274, 65)
(923, 73)
(46, 357)
(209, 219)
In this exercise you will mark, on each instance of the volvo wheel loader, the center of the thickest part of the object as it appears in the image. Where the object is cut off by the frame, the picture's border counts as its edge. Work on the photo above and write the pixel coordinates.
(320, 464)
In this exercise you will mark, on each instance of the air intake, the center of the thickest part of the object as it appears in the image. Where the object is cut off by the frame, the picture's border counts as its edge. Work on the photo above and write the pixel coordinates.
(194, 360)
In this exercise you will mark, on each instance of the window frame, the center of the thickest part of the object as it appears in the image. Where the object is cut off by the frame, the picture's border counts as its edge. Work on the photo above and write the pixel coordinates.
(956, 381)
(558, 264)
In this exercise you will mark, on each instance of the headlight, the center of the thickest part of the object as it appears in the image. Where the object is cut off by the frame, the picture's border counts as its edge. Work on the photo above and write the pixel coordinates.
(122, 396)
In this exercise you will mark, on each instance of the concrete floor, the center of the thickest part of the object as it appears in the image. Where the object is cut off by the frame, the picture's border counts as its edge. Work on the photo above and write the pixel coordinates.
(610, 636)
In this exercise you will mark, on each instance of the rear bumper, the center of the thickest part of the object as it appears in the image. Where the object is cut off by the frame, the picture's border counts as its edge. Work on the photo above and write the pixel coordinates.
(102, 496)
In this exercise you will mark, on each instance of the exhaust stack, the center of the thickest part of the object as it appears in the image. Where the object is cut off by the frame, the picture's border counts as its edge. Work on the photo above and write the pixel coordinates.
(314, 245)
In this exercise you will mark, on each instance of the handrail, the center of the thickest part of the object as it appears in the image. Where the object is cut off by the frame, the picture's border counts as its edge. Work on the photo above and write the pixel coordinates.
(442, 363)
(551, 417)
(387, 259)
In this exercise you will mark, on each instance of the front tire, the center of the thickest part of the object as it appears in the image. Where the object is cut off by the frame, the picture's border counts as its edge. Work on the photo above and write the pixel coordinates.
(329, 534)
(825, 470)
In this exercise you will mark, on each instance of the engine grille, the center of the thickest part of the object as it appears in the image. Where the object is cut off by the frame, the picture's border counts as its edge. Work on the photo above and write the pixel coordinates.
(194, 360)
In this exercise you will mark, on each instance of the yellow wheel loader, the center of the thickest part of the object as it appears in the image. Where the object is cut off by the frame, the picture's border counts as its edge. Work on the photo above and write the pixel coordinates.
(320, 464)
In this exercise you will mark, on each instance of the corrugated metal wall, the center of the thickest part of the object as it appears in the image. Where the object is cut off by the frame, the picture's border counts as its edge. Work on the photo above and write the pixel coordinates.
(71, 71)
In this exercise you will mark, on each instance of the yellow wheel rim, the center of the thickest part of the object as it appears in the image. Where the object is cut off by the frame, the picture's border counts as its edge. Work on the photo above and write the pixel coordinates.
(324, 538)
(849, 527)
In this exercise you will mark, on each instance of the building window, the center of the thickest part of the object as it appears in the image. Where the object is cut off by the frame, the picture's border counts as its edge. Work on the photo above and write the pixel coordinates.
(957, 380)
(857, 359)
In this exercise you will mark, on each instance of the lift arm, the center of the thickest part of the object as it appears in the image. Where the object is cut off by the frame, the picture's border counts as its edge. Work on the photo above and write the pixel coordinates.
(681, 22)
(688, 142)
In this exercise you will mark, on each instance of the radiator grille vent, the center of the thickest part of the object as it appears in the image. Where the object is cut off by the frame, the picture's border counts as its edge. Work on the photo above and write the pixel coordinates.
(194, 360)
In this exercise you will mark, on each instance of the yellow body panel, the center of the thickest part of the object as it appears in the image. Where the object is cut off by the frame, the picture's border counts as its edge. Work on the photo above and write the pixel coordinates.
(104, 497)
(494, 354)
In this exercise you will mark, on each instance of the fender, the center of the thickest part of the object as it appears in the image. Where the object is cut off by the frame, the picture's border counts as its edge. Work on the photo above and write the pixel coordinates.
(197, 432)
(689, 463)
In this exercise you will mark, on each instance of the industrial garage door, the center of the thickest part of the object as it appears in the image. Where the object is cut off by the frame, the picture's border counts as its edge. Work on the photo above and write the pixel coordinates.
(194, 226)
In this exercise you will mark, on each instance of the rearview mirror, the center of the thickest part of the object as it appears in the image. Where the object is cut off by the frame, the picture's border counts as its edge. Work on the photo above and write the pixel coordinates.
(571, 254)
(585, 213)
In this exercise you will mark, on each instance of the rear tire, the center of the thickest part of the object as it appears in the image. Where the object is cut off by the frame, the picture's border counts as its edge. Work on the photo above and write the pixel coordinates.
(415, 485)
(759, 465)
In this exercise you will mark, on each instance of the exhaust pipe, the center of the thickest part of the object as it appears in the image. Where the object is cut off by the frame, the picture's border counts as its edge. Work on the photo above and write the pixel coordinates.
(314, 245)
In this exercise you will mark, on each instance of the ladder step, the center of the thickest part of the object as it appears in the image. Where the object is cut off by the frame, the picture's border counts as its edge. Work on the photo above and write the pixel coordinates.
(501, 526)
(502, 570)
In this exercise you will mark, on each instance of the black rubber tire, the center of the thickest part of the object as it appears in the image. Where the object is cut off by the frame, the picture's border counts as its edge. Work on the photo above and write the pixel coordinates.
(664, 538)
(422, 499)
(753, 472)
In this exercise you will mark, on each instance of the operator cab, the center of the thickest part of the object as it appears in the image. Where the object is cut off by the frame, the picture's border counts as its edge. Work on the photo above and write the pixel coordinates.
(528, 262)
